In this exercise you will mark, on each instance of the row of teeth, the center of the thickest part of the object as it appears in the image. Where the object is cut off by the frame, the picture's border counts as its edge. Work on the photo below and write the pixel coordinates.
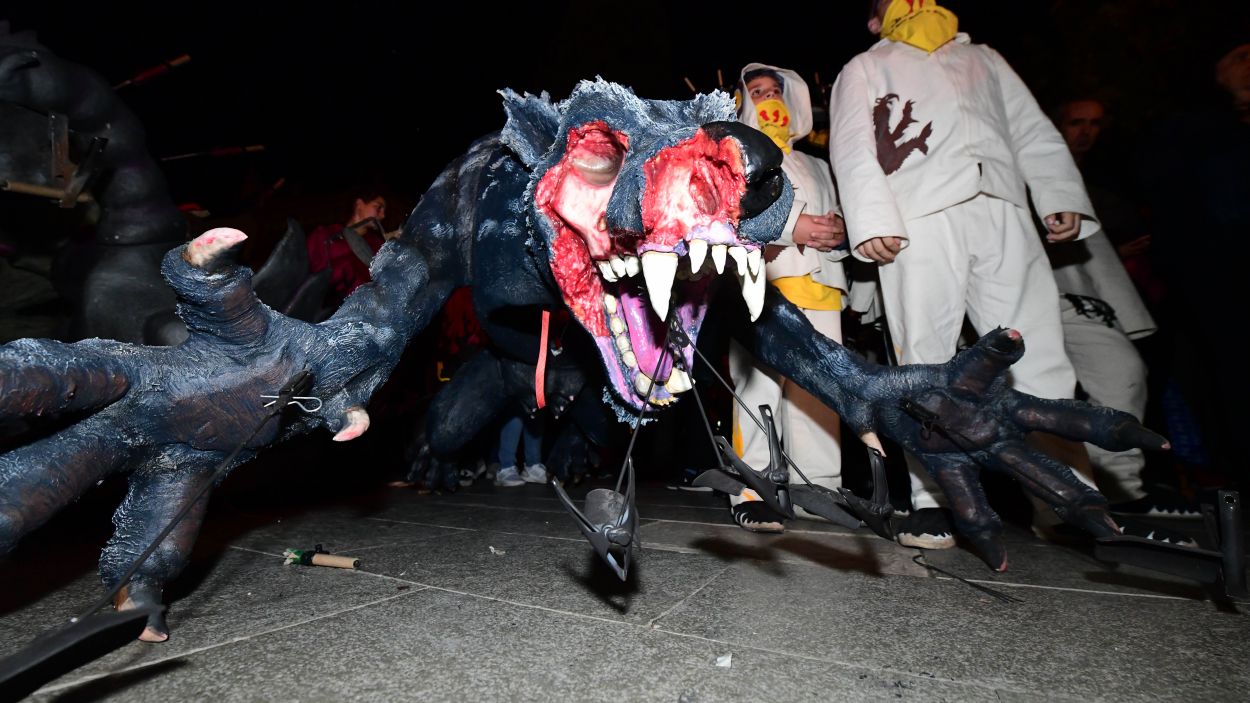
(659, 268)
(678, 380)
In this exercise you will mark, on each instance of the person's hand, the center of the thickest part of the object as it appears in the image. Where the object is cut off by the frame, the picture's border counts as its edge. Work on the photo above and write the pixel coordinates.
(882, 250)
(821, 232)
(1062, 227)
(839, 228)
(1138, 246)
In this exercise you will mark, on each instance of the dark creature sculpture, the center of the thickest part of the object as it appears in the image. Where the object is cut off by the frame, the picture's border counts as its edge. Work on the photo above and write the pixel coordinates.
(491, 383)
(605, 204)
(97, 154)
(113, 284)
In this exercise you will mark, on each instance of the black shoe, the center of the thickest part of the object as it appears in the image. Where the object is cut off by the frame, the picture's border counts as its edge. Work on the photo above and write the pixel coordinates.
(754, 516)
(927, 528)
(686, 482)
(1158, 534)
(1157, 505)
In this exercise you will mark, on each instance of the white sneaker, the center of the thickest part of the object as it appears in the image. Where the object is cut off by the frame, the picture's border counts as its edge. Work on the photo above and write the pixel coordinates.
(534, 473)
(509, 477)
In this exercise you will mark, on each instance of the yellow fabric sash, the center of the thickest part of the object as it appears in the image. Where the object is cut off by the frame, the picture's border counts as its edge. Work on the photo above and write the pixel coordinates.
(808, 294)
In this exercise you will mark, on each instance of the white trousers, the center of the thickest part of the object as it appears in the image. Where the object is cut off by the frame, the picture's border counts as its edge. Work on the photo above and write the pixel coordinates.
(982, 258)
(1114, 375)
(809, 430)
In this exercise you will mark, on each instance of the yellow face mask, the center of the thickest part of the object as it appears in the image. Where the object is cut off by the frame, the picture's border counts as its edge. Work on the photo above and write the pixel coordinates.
(774, 121)
(920, 23)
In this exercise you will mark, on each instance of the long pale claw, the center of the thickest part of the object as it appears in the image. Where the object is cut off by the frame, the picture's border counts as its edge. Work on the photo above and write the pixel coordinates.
(872, 441)
(151, 634)
(357, 424)
(155, 631)
(206, 250)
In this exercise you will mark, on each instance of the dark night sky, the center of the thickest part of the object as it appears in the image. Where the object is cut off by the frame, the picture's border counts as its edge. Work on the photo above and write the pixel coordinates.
(384, 90)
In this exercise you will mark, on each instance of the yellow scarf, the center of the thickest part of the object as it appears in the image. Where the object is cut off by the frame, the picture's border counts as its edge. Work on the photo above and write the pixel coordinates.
(920, 23)
(774, 120)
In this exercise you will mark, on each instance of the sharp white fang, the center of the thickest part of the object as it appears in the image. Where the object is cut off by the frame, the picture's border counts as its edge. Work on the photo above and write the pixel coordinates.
(609, 304)
(642, 384)
(616, 324)
(630, 360)
(739, 255)
(659, 268)
(718, 257)
(753, 294)
(678, 382)
(698, 252)
(618, 266)
(622, 342)
(754, 257)
(632, 267)
(605, 269)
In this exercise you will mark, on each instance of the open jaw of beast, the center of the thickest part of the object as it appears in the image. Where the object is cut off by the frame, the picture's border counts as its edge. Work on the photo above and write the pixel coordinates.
(625, 284)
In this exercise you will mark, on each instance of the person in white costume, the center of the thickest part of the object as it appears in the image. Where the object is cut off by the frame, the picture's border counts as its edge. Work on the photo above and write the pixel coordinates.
(936, 144)
(1103, 315)
(805, 265)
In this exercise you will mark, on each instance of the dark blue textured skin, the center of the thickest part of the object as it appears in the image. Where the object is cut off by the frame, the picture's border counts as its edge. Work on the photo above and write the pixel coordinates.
(166, 416)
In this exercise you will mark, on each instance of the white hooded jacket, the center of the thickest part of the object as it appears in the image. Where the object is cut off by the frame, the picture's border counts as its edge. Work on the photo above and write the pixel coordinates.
(976, 129)
(813, 187)
(1093, 269)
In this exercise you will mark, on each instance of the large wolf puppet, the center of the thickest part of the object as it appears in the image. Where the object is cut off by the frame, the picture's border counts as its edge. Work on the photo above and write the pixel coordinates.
(625, 211)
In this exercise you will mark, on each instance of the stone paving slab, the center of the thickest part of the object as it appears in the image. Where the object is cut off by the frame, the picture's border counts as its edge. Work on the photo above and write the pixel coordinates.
(1080, 644)
(432, 646)
(816, 614)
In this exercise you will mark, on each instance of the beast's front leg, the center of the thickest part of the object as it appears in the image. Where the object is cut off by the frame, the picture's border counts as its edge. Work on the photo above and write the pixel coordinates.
(955, 417)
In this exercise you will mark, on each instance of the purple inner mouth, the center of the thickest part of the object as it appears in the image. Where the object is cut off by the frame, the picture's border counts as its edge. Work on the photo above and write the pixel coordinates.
(646, 333)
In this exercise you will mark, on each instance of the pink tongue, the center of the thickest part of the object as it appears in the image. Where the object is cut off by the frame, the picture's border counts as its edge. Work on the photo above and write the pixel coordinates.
(646, 334)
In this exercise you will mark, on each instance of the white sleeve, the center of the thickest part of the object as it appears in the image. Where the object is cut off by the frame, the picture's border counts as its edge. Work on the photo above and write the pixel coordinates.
(787, 234)
(868, 202)
(1041, 153)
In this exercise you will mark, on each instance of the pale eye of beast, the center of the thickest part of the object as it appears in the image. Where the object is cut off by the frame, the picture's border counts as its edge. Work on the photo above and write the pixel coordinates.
(597, 158)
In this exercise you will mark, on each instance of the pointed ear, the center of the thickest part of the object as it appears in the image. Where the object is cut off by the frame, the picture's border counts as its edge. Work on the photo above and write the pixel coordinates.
(532, 125)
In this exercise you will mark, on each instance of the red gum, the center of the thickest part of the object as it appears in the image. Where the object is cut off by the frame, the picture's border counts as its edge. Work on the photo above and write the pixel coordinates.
(571, 264)
(579, 281)
(669, 207)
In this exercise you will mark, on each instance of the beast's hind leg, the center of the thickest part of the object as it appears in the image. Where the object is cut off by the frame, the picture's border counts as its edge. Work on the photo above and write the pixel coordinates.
(155, 497)
(465, 406)
(43, 477)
